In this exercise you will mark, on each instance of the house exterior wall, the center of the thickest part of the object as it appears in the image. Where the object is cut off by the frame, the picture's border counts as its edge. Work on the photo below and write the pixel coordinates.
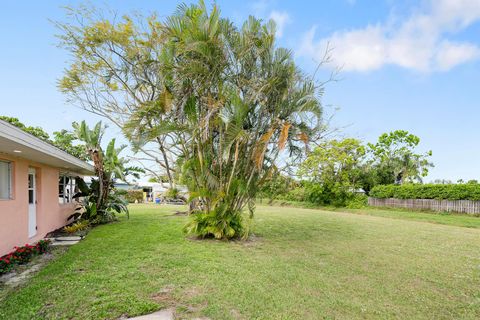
(14, 212)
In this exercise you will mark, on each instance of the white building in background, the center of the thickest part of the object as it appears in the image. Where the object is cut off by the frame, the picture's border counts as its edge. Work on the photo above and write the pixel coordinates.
(155, 190)
(151, 190)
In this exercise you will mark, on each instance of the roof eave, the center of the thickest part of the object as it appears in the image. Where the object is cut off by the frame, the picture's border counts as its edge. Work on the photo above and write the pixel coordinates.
(18, 136)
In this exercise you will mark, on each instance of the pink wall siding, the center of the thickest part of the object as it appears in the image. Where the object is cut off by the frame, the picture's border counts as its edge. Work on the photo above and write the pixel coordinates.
(14, 213)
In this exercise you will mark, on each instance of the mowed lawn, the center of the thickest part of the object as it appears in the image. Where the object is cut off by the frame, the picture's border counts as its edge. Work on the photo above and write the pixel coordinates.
(301, 264)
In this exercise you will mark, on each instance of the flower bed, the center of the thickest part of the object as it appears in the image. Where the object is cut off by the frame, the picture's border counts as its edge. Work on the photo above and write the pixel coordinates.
(22, 255)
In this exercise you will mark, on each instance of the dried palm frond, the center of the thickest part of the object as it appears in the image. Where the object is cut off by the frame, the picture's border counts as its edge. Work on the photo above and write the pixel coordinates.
(282, 140)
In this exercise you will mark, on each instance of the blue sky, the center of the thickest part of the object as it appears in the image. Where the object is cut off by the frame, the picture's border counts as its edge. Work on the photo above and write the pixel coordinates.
(412, 65)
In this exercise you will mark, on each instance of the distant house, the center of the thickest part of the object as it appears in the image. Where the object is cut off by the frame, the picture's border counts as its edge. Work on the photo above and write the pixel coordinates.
(154, 190)
(36, 187)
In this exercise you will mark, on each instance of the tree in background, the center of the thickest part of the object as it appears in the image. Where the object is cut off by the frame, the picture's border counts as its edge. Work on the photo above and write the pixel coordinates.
(333, 171)
(395, 160)
(337, 169)
(278, 186)
(64, 140)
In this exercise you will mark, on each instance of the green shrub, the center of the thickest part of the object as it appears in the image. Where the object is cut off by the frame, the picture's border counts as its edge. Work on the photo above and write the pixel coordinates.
(358, 201)
(42, 246)
(77, 226)
(172, 193)
(120, 192)
(327, 194)
(428, 191)
(133, 195)
(216, 224)
(297, 194)
(278, 187)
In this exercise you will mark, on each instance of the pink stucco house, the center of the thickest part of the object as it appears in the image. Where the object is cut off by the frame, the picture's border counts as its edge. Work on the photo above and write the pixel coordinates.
(36, 187)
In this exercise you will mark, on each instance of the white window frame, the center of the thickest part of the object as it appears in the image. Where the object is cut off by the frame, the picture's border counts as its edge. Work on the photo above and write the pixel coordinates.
(10, 180)
(68, 189)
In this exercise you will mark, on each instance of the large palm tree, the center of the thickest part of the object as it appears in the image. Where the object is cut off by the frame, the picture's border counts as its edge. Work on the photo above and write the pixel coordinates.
(241, 103)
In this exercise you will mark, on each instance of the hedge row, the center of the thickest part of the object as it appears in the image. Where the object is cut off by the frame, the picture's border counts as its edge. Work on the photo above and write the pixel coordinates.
(428, 191)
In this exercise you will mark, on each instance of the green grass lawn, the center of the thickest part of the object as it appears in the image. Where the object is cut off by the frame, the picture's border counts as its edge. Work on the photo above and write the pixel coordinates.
(301, 264)
(452, 219)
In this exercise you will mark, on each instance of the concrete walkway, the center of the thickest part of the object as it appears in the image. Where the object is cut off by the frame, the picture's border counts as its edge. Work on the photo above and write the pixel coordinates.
(65, 241)
(166, 314)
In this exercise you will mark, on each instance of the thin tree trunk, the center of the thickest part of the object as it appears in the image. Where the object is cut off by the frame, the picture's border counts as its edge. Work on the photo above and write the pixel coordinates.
(167, 165)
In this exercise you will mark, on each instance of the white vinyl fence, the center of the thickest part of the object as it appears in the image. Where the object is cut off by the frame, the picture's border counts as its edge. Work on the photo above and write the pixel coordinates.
(461, 206)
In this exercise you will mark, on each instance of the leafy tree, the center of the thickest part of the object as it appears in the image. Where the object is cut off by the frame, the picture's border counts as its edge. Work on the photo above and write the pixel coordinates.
(64, 140)
(118, 68)
(333, 170)
(395, 159)
(244, 101)
(161, 179)
(277, 186)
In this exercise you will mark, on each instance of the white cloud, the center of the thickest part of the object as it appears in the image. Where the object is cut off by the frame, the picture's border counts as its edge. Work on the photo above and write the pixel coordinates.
(419, 42)
(281, 20)
(451, 54)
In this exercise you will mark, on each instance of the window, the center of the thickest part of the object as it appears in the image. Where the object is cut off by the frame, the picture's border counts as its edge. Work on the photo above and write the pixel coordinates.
(66, 189)
(31, 187)
(5, 180)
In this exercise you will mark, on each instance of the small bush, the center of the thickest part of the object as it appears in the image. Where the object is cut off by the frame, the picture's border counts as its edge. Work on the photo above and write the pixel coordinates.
(133, 195)
(216, 225)
(297, 194)
(328, 194)
(358, 201)
(42, 246)
(428, 191)
(172, 193)
(6, 265)
(77, 226)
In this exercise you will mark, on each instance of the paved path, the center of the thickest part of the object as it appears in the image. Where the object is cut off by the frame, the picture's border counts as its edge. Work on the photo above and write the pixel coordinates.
(65, 241)
(166, 314)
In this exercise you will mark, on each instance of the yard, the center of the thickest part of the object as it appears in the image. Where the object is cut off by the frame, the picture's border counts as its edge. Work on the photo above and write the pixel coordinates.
(300, 264)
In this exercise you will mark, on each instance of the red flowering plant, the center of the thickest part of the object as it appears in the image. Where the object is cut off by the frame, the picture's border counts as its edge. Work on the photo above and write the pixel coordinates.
(42, 246)
(22, 255)
(5, 264)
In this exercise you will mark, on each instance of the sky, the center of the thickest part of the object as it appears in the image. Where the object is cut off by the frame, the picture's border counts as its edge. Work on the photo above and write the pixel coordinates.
(411, 65)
